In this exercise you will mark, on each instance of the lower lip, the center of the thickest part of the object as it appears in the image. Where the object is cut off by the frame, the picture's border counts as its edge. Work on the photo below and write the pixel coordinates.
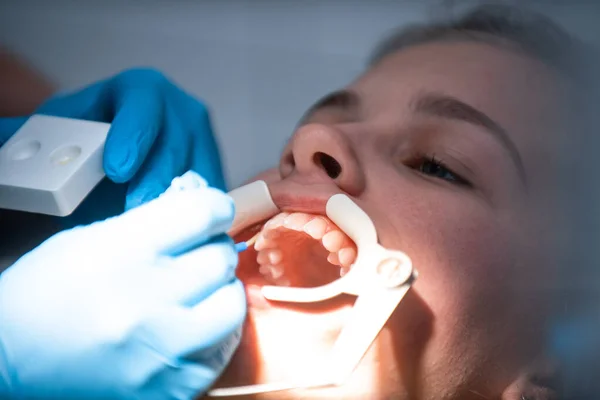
(255, 298)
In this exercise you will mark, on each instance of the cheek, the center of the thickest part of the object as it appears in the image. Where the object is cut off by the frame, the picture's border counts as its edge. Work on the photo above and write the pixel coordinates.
(458, 314)
(463, 253)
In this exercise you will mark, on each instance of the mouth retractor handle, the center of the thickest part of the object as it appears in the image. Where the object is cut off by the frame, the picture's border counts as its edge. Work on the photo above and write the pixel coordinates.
(379, 277)
(253, 203)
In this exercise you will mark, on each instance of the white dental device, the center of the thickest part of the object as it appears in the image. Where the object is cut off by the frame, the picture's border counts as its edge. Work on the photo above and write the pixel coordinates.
(51, 164)
(379, 278)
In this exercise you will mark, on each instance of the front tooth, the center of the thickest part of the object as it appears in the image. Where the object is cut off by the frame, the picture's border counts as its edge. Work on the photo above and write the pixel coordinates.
(276, 221)
(332, 258)
(263, 243)
(262, 257)
(347, 255)
(316, 228)
(264, 270)
(271, 233)
(296, 221)
(333, 241)
(276, 271)
(275, 256)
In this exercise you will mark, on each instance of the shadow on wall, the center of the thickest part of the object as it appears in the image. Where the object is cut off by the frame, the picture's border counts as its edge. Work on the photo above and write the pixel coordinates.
(24, 88)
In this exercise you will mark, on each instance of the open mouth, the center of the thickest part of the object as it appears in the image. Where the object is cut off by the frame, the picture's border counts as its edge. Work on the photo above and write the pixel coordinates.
(305, 260)
(294, 249)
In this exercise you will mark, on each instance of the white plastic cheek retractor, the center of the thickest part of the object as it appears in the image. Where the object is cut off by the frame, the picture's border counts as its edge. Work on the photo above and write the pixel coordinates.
(379, 277)
(253, 204)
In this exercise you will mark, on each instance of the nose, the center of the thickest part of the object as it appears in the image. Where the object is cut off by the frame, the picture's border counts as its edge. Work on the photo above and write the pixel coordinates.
(324, 152)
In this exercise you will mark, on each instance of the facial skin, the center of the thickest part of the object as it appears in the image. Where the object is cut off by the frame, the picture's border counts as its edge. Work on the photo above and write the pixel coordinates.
(465, 196)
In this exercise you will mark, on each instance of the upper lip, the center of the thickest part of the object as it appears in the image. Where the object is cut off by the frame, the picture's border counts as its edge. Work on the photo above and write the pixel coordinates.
(288, 196)
(292, 196)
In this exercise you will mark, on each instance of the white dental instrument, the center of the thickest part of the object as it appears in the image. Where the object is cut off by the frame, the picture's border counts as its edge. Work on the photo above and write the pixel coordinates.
(51, 164)
(379, 278)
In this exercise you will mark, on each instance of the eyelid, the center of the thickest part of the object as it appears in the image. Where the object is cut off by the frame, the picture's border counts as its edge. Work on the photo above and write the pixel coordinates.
(456, 165)
(450, 161)
(460, 179)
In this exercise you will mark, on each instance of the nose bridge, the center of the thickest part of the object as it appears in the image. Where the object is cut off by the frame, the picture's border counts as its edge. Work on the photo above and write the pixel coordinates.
(326, 152)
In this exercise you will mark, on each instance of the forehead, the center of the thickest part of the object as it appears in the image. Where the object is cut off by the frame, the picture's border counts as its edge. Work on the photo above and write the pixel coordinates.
(519, 92)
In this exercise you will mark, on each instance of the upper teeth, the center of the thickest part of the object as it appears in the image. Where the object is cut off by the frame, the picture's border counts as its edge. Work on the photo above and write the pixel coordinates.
(269, 257)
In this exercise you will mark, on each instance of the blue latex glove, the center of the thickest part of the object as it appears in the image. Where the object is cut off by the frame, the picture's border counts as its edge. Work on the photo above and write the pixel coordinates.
(127, 308)
(158, 132)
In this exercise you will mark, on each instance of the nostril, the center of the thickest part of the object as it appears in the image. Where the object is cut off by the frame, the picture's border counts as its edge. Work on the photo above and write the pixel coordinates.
(289, 159)
(287, 165)
(329, 164)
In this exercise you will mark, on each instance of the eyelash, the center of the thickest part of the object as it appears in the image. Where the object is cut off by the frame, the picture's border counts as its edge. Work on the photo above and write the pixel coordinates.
(424, 159)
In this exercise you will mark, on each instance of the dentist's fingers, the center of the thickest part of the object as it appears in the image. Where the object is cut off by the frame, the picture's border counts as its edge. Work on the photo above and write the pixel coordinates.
(210, 330)
(185, 381)
(205, 155)
(189, 180)
(131, 138)
(193, 276)
(168, 158)
(176, 222)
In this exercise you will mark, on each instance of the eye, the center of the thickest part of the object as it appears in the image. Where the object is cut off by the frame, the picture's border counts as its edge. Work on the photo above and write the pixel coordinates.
(437, 169)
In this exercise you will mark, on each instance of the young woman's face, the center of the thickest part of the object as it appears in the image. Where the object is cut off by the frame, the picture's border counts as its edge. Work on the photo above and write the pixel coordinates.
(446, 146)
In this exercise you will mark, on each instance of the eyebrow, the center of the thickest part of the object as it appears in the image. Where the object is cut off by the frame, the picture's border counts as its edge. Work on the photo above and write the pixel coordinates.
(343, 100)
(448, 107)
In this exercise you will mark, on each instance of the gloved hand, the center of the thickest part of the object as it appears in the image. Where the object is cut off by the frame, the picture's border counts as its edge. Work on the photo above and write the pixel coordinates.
(141, 306)
(158, 131)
